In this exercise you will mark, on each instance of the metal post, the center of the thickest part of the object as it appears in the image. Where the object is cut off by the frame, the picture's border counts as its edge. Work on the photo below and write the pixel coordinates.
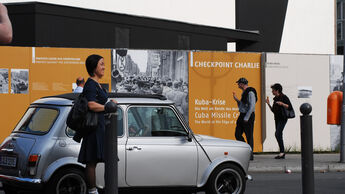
(111, 159)
(307, 149)
(342, 130)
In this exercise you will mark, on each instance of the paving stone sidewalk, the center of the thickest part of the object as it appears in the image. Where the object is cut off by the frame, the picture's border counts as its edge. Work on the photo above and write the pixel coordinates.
(328, 162)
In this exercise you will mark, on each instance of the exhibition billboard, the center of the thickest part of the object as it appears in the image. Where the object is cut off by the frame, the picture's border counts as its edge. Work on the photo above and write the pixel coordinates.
(29, 73)
(212, 77)
(201, 84)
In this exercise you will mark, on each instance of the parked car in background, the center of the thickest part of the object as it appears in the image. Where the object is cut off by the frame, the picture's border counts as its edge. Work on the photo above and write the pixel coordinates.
(156, 149)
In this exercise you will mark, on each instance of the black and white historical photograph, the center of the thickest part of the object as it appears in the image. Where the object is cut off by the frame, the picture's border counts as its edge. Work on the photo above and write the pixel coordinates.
(305, 91)
(3, 81)
(336, 73)
(19, 81)
(152, 72)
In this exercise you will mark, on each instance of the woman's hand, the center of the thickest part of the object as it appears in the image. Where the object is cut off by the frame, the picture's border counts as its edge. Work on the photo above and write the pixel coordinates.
(268, 103)
(268, 100)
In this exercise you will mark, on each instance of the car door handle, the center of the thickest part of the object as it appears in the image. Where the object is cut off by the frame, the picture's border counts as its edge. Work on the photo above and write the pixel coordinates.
(138, 148)
(133, 148)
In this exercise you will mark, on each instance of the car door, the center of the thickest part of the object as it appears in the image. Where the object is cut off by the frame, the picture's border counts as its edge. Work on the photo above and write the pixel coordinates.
(158, 152)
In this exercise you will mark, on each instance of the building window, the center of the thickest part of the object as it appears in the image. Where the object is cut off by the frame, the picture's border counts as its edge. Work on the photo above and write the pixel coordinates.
(340, 20)
(338, 10)
(340, 25)
(339, 31)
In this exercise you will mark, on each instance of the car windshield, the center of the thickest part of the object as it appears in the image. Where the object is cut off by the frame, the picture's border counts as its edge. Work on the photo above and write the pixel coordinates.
(37, 120)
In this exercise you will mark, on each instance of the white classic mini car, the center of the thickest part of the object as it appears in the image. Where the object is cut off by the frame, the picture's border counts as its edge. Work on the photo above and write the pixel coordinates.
(156, 149)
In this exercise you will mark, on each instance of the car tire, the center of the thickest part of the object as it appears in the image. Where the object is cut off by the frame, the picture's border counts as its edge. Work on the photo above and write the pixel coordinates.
(69, 181)
(8, 189)
(226, 178)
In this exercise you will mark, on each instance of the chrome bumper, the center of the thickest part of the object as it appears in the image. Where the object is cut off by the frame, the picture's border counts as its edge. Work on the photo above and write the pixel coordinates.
(19, 179)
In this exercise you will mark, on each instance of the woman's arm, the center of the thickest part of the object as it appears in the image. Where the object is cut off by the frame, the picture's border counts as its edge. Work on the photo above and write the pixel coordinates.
(288, 102)
(280, 103)
(95, 107)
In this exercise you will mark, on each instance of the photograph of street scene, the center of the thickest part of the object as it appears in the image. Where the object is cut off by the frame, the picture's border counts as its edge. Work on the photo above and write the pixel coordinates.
(3, 81)
(19, 81)
(336, 84)
(152, 72)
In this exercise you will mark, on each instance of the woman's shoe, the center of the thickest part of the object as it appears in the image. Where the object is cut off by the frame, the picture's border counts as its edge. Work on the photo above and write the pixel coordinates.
(280, 156)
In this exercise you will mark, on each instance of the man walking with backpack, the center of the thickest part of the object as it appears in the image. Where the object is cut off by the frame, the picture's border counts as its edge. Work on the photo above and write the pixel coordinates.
(246, 106)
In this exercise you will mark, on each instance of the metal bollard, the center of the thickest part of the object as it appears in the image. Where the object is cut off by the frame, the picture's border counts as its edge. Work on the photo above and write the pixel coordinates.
(111, 159)
(307, 149)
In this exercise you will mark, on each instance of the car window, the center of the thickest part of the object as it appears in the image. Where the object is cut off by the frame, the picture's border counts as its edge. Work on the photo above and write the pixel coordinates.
(154, 121)
(37, 120)
(70, 132)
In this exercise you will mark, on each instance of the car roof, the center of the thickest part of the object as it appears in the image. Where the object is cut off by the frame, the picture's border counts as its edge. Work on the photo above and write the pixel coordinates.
(67, 99)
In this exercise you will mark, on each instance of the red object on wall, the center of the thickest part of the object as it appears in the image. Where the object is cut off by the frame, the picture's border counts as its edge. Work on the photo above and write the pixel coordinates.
(334, 106)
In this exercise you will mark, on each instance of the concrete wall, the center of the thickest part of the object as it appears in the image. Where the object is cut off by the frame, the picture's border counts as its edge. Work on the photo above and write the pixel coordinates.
(294, 71)
(309, 27)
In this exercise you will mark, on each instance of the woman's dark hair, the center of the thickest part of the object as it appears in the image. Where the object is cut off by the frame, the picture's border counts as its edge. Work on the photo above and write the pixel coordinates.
(91, 63)
(277, 87)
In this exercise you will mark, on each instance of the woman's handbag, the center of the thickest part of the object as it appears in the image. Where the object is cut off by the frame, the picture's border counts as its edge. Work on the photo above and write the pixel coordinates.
(91, 120)
(80, 117)
(290, 114)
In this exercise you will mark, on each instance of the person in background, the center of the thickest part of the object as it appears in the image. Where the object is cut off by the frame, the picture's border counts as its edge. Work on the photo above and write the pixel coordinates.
(177, 96)
(246, 106)
(5, 26)
(92, 147)
(80, 85)
(280, 102)
(167, 88)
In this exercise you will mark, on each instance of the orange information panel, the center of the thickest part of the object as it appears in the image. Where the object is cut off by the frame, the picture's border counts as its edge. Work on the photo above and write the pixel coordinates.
(212, 77)
(54, 70)
(14, 67)
(29, 73)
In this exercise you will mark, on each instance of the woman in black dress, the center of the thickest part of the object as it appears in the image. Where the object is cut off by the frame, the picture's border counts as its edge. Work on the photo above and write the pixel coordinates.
(280, 102)
(92, 147)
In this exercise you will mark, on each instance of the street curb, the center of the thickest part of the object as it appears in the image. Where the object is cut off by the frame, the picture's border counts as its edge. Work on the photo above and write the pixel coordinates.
(318, 168)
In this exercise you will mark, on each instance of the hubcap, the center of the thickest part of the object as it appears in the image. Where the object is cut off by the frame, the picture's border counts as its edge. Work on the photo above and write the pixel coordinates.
(71, 184)
(228, 181)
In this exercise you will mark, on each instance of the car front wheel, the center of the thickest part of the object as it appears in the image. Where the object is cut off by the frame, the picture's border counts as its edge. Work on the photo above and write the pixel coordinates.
(9, 189)
(226, 178)
(67, 181)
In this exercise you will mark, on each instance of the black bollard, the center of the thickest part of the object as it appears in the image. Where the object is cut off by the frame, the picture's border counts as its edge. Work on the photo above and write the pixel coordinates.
(111, 165)
(307, 149)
